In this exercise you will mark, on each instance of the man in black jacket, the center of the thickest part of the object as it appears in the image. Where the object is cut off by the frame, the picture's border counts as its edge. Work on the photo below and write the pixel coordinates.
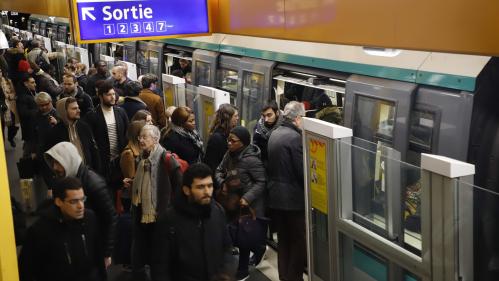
(73, 130)
(72, 89)
(64, 243)
(271, 119)
(192, 239)
(109, 124)
(65, 162)
(286, 192)
(26, 106)
(102, 74)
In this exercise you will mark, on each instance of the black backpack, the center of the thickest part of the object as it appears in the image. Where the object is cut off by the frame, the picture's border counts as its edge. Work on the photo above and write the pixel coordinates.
(41, 62)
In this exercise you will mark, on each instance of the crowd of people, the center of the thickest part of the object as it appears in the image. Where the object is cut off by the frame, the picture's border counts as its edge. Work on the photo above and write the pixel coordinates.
(106, 149)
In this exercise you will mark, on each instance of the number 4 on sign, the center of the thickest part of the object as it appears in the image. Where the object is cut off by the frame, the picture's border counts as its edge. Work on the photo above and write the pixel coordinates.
(148, 27)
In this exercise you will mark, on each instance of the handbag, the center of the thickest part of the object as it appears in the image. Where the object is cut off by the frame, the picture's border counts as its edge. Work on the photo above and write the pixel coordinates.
(250, 231)
(229, 195)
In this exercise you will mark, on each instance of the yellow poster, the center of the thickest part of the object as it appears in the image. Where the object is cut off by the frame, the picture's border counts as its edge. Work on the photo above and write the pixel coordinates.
(318, 174)
(168, 94)
(208, 114)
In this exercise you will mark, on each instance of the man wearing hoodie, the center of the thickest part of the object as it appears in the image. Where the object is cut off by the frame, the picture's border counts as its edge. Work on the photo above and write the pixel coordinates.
(73, 130)
(64, 243)
(72, 89)
(65, 161)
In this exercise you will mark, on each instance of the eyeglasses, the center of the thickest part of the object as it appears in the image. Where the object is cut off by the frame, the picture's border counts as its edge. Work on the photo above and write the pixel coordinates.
(233, 140)
(76, 201)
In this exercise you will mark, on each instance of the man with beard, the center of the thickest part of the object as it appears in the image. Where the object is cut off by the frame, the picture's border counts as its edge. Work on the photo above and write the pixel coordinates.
(64, 243)
(73, 130)
(191, 238)
(271, 119)
(109, 123)
(64, 160)
(72, 89)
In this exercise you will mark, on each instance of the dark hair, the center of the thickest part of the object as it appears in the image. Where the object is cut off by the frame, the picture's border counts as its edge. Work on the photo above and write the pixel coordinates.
(70, 66)
(67, 183)
(97, 63)
(70, 75)
(103, 86)
(69, 100)
(180, 115)
(141, 115)
(178, 73)
(196, 171)
(222, 118)
(271, 104)
(25, 77)
(148, 79)
(132, 89)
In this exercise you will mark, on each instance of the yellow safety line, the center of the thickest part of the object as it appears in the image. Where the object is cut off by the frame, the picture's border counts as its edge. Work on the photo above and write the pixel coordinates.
(8, 255)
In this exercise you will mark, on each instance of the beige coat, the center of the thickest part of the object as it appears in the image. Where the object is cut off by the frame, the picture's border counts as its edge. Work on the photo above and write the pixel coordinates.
(10, 95)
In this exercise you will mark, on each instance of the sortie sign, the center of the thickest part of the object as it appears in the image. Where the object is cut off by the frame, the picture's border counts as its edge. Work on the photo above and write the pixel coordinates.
(125, 20)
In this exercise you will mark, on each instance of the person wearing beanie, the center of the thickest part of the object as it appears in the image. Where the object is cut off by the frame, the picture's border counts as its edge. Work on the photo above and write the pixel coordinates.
(132, 103)
(241, 172)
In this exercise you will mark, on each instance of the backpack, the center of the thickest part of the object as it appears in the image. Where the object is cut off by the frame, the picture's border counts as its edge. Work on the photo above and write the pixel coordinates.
(181, 162)
(41, 62)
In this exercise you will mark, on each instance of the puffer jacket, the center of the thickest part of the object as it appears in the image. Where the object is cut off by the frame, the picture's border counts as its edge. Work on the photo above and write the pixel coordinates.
(251, 174)
(60, 250)
(285, 168)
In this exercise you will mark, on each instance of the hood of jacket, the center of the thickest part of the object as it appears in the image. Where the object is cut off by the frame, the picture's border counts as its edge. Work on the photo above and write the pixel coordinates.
(61, 110)
(250, 150)
(67, 155)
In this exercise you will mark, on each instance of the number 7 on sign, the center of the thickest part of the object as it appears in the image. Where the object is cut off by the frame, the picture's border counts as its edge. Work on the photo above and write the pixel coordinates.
(161, 26)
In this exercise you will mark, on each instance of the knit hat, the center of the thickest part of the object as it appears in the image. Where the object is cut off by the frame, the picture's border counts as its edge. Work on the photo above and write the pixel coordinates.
(243, 134)
(23, 66)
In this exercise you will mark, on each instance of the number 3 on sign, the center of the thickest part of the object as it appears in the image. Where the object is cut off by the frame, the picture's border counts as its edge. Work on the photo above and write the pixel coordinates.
(148, 27)
(160, 26)
(135, 27)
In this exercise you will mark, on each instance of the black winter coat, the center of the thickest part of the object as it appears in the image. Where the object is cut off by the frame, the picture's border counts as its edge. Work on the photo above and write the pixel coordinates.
(98, 125)
(251, 174)
(184, 147)
(285, 168)
(100, 202)
(92, 80)
(191, 244)
(27, 108)
(131, 106)
(83, 99)
(59, 250)
(60, 133)
(215, 149)
(44, 83)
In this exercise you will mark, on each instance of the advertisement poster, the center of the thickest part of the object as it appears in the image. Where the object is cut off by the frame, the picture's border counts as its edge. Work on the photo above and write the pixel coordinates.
(318, 174)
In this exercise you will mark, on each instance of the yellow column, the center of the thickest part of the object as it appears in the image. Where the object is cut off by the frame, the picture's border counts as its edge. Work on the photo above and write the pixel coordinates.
(8, 255)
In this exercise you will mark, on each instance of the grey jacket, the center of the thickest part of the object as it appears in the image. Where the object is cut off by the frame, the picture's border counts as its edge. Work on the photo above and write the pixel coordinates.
(285, 168)
(251, 173)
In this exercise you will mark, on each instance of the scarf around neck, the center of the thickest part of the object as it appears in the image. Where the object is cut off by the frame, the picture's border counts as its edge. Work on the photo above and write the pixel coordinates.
(145, 184)
(193, 136)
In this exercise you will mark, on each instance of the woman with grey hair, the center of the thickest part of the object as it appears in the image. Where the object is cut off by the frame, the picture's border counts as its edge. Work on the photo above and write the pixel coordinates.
(154, 182)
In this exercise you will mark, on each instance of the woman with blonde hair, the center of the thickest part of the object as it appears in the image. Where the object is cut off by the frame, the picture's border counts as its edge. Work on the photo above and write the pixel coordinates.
(9, 111)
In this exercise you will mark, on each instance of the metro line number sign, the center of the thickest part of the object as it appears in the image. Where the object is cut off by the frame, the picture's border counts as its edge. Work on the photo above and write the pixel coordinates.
(98, 21)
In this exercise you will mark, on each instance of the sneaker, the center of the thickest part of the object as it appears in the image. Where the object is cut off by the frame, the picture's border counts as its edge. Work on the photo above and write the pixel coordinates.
(241, 276)
(257, 258)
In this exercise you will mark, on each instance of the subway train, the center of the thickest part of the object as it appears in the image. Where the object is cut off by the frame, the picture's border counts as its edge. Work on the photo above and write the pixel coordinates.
(400, 102)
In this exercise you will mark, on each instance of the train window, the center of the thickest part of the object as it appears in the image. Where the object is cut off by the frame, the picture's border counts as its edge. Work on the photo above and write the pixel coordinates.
(252, 100)
(203, 73)
(227, 80)
(374, 119)
(421, 133)
(142, 62)
(154, 63)
(129, 53)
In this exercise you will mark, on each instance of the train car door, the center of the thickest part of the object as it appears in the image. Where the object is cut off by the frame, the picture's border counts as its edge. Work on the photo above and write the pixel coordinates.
(255, 86)
(43, 29)
(149, 55)
(228, 76)
(378, 111)
(129, 52)
(204, 66)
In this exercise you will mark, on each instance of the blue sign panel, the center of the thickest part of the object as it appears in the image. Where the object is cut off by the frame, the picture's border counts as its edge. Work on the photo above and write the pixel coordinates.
(111, 20)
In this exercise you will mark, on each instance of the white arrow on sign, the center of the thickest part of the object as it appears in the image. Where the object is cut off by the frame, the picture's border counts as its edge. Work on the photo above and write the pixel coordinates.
(85, 12)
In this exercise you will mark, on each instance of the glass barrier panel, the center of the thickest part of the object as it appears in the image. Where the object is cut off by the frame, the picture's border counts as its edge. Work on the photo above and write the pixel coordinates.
(154, 63)
(386, 193)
